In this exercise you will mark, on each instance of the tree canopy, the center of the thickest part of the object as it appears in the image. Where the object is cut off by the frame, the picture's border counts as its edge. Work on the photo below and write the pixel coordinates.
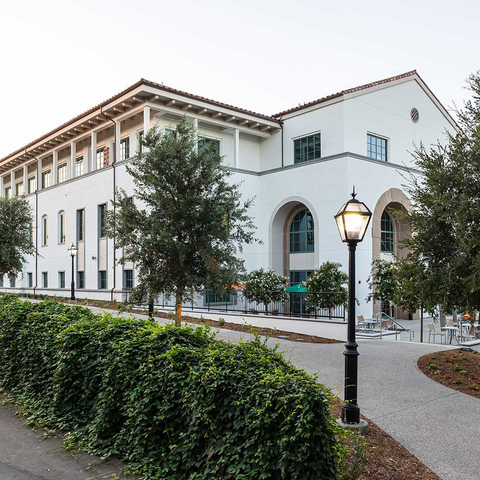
(15, 234)
(187, 223)
(444, 258)
(265, 286)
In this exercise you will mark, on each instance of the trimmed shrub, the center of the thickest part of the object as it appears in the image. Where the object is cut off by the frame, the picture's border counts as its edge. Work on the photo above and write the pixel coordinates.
(173, 402)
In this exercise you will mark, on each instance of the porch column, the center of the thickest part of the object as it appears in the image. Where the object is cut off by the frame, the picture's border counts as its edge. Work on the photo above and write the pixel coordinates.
(39, 174)
(117, 141)
(25, 179)
(94, 151)
(146, 120)
(236, 148)
(2, 191)
(55, 168)
(73, 155)
(12, 183)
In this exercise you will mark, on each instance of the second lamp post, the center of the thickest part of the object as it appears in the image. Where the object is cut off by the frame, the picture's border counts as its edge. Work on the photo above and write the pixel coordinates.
(352, 222)
(72, 250)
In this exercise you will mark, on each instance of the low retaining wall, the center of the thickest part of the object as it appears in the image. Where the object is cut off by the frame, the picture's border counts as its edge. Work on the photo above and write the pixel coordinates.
(321, 328)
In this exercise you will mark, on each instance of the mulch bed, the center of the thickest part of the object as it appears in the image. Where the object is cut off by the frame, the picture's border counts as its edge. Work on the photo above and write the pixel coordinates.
(387, 459)
(456, 369)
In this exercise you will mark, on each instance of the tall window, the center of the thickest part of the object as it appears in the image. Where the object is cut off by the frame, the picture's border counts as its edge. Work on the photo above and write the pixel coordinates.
(80, 280)
(307, 148)
(101, 220)
(30, 279)
(127, 279)
(124, 148)
(45, 279)
(12, 281)
(79, 166)
(376, 147)
(387, 233)
(102, 280)
(61, 227)
(80, 225)
(62, 173)
(46, 179)
(44, 231)
(302, 233)
(299, 276)
(8, 192)
(61, 279)
(32, 184)
(101, 158)
(204, 142)
(141, 135)
(1, 282)
(20, 190)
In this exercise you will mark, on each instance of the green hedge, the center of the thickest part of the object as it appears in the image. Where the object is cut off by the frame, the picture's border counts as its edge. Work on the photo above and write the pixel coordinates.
(175, 403)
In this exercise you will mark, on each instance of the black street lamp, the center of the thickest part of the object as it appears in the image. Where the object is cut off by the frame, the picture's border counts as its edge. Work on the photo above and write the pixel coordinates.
(72, 250)
(352, 222)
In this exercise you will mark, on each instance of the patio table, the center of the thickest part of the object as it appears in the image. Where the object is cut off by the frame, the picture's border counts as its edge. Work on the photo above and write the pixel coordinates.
(451, 332)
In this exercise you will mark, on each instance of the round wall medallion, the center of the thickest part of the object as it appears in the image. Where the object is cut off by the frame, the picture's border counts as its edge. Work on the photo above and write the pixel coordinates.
(414, 115)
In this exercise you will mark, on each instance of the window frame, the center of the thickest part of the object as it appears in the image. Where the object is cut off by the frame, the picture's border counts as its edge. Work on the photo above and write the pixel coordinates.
(387, 146)
(125, 286)
(29, 279)
(101, 274)
(44, 230)
(308, 232)
(306, 137)
(61, 279)
(101, 211)
(17, 185)
(80, 225)
(125, 148)
(207, 139)
(44, 279)
(32, 179)
(62, 230)
(100, 151)
(79, 162)
(62, 171)
(80, 285)
(384, 232)
(46, 175)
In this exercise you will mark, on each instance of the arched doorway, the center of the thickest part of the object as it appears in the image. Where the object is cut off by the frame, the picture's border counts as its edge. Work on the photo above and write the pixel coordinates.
(388, 233)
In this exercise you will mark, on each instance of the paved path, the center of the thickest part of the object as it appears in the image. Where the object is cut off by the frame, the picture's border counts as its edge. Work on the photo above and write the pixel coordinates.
(437, 424)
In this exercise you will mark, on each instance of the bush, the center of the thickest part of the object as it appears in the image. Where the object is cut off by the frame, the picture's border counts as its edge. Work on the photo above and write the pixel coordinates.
(173, 402)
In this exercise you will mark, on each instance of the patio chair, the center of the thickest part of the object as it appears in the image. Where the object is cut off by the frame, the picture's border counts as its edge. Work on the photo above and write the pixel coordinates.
(450, 323)
(390, 324)
(361, 323)
(467, 336)
(433, 333)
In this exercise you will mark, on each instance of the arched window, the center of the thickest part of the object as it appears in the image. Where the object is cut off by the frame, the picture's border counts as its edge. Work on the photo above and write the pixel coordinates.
(61, 227)
(302, 238)
(387, 233)
(44, 231)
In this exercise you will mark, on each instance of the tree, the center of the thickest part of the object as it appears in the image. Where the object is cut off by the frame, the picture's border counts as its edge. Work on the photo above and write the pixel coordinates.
(329, 280)
(445, 218)
(15, 234)
(265, 286)
(383, 283)
(188, 221)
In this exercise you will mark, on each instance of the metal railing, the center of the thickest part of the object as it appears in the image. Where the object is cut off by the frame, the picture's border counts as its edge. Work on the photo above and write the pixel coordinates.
(312, 305)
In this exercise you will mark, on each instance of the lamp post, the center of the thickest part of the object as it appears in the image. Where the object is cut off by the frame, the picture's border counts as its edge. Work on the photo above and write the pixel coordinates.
(352, 222)
(72, 250)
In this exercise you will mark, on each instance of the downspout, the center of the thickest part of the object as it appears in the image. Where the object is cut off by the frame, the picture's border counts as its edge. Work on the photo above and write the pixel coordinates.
(281, 125)
(114, 199)
(36, 218)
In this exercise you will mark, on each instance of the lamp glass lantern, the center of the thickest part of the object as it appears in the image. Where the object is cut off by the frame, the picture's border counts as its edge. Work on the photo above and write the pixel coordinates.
(352, 220)
(72, 250)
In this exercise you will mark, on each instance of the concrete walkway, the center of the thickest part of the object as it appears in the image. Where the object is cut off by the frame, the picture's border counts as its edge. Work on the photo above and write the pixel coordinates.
(438, 425)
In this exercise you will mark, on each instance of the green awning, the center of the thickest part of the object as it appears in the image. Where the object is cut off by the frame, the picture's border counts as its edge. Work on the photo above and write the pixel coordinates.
(297, 288)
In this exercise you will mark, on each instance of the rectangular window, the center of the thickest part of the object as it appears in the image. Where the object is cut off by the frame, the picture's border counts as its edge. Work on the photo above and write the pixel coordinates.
(62, 173)
(80, 225)
(299, 276)
(61, 228)
(8, 192)
(212, 297)
(1, 282)
(102, 280)
(46, 179)
(45, 279)
(204, 142)
(100, 158)
(12, 281)
(140, 140)
(30, 279)
(101, 220)
(44, 231)
(80, 280)
(128, 279)
(125, 148)
(307, 148)
(61, 279)
(376, 148)
(79, 166)
(32, 184)
(20, 190)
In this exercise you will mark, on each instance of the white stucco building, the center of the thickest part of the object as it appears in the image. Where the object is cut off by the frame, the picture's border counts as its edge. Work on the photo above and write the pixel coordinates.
(300, 165)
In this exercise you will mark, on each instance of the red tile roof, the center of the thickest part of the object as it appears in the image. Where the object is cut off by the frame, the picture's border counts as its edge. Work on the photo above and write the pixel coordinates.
(345, 92)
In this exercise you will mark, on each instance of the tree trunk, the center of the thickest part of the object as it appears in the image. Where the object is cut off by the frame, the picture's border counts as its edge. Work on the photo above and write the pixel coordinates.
(421, 323)
(266, 308)
(150, 309)
(391, 311)
(178, 309)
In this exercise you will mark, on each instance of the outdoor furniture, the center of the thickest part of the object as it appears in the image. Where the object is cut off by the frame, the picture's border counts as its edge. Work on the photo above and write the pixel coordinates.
(451, 332)
(468, 336)
(361, 323)
(433, 333)
(370, 322)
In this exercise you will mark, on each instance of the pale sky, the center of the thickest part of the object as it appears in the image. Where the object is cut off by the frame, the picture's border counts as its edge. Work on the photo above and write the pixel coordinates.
(60, 58)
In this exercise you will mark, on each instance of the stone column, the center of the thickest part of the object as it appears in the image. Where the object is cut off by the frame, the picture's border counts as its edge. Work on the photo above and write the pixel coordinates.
(236, 148)
(55, 168)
